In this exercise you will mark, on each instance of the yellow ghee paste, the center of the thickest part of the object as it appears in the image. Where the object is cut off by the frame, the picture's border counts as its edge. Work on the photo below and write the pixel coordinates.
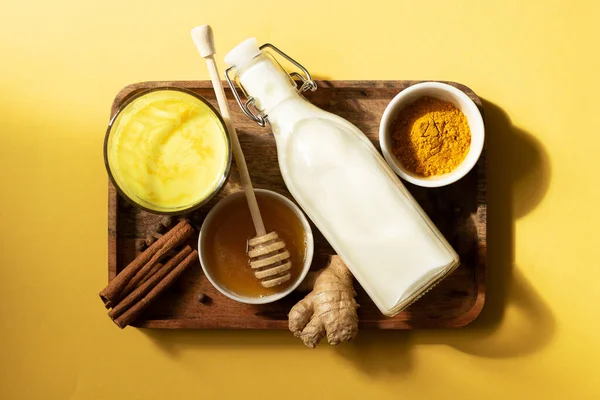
(167, 150)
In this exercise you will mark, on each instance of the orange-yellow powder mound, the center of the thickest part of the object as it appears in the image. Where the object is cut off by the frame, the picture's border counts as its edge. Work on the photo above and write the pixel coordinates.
(431, 137)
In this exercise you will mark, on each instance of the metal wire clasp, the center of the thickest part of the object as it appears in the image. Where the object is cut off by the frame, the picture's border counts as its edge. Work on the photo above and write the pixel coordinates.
(261, 119)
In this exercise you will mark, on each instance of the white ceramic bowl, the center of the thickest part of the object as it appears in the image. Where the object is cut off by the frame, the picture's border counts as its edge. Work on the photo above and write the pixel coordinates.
(444, 92)
(307, 262)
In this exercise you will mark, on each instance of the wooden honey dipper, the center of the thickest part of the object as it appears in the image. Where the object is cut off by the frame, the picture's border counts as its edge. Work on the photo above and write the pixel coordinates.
(268, 255)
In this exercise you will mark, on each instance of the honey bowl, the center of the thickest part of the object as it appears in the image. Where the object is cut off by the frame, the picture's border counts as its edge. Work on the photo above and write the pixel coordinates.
(446, 93)
(223, 239)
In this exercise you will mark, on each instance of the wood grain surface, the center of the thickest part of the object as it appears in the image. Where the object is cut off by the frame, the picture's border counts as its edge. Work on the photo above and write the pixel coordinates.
(459, 211)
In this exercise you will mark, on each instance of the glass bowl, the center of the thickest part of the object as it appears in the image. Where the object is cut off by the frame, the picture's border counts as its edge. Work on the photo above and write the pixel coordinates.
(128, 192)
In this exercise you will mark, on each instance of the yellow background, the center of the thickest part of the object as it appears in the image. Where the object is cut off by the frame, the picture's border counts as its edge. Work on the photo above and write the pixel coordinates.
(535, 63)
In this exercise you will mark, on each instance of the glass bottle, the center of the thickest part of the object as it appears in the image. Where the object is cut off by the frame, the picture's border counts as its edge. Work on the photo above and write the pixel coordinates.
(343, 184)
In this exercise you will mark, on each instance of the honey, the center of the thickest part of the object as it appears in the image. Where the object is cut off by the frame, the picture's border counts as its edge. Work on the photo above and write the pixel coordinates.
(224, 244)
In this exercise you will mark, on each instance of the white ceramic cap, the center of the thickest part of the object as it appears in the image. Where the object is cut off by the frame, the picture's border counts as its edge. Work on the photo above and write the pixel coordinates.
(242, 53)
(203, 39)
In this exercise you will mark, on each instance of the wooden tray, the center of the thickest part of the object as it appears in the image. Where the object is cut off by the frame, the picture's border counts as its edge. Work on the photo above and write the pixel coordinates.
(459, 211)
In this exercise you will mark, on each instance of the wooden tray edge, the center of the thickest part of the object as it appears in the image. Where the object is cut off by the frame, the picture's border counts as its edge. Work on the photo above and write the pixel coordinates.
(126, 91)
(458, 322)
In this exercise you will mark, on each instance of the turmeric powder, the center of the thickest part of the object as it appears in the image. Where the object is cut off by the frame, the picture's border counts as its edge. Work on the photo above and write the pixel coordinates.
(432, 137)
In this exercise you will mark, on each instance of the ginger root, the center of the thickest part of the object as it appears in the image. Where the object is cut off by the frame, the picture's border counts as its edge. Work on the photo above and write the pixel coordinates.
(330, 309)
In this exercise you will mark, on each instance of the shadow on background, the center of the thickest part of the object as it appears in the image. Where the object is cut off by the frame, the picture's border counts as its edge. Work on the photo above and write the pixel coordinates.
(173, 342)
(519, 172)
(518, 176)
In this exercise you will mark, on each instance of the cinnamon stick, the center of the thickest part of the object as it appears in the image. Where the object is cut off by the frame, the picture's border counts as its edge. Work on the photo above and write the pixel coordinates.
(139, 267)
(134, 311)
(143, 274)
(151, 273)
(146, 287)
(129, 288)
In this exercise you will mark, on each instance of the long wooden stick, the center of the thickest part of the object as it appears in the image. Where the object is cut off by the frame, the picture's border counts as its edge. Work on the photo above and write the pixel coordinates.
(203, 38)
